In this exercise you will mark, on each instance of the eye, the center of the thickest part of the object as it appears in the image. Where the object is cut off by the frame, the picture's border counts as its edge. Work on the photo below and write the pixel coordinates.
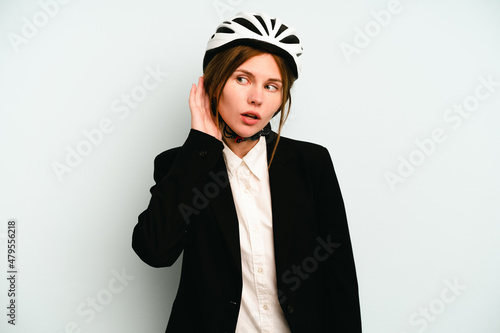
(272, 87)
(241, 79)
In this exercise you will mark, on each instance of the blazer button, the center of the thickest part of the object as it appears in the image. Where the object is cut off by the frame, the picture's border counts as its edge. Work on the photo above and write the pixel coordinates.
(202, 153)
(290, 308)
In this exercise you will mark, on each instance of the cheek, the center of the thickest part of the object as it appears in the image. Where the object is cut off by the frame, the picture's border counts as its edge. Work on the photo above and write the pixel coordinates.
(228, 101)
(276, 105)
(224, 105)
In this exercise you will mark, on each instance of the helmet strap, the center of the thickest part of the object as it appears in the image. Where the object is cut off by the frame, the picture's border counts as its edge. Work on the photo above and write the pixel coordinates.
(230, 134)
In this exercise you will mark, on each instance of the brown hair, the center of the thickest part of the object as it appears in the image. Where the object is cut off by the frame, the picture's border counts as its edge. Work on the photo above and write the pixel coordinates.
(223, 65)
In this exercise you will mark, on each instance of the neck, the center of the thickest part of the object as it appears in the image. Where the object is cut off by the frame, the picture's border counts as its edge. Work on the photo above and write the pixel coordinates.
(242, 148)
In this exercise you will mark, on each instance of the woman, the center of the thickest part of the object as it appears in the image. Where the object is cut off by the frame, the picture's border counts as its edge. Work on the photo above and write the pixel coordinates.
(260, 218)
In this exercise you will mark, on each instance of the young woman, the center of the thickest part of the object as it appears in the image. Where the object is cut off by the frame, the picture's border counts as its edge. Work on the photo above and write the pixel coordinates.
(260, 217)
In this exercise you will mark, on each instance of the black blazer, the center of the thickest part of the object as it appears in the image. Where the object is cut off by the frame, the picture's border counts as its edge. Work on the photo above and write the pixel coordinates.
(192, 210)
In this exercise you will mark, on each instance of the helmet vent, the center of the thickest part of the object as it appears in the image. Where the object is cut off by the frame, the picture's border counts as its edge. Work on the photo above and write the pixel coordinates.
(281, 29)
(225, 30)
(290, 40)
(258, 17)
(247, 24)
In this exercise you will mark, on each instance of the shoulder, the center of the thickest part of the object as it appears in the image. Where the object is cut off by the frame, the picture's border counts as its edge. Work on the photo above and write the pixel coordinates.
(163, 162)
(197, 144)
(302, 149)
(304, 157)
(198, 148)
(167, 156)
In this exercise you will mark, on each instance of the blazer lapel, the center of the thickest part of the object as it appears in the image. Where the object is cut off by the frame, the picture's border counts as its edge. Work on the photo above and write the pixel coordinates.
(225, 213)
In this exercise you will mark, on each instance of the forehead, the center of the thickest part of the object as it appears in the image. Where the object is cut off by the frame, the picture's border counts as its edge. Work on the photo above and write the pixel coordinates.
(262, 66)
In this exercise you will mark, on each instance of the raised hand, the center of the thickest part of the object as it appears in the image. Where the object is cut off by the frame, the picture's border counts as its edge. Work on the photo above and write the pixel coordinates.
(201, 115)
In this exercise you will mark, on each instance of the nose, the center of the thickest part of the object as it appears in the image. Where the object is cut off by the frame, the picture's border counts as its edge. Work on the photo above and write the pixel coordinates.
(255, 95)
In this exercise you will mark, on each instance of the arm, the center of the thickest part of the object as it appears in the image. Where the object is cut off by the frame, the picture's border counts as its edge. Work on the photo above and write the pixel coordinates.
(158, 238)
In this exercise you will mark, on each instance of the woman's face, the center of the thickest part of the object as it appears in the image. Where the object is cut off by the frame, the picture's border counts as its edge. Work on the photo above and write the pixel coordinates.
(252, 95)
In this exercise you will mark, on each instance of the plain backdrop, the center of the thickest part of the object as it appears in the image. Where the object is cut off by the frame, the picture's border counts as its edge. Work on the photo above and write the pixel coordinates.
(404, 94)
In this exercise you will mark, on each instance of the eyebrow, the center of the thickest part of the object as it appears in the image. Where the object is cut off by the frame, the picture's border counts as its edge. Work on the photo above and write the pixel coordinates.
(253, 76)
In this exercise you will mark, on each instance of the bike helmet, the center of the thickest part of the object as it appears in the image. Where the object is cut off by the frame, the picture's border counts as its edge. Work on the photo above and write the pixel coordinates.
(259, 31)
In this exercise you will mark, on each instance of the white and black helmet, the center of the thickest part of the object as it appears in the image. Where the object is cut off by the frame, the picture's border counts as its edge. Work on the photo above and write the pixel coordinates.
(259, 31)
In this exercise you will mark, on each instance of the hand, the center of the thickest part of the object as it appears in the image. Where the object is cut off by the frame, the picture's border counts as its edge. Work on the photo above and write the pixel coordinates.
(201, 113)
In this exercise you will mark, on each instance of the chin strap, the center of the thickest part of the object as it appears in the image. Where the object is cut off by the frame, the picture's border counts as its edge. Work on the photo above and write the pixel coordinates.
(230, 134)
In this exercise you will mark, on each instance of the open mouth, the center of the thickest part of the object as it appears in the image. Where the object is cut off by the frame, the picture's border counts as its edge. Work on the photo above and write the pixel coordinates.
(249, 115)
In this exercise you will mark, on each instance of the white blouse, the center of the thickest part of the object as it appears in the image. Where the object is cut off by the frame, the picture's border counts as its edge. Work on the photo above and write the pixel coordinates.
(260, 310)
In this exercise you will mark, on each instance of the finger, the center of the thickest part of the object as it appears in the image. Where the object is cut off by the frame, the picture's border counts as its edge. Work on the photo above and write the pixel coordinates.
(192, 97)
(199, 92)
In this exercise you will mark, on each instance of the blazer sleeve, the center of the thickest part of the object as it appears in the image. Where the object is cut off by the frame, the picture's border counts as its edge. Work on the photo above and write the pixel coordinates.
(159, 236)
(342, 285)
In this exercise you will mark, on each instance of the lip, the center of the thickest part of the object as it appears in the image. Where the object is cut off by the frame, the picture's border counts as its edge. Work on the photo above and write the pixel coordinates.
(249, 120)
